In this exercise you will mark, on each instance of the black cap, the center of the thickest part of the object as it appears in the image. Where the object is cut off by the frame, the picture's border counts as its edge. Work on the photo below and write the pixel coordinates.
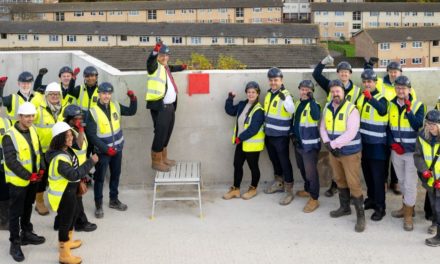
(25, 77)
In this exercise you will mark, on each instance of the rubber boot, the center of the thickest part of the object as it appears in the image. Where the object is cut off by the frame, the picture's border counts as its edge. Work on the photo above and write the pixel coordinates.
(344, 201)
(65, 255)
(408, 218)
(4, 215)
(251, 193)
(15, 251)
(165, 159)
(288, 194)
(434, 241)
(233, 192)
(360, 214)
(40, 207)
(74, 243)
(157, 163)
(276, 186)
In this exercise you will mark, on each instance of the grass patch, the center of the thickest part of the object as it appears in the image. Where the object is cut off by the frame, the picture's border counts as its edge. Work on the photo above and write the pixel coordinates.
(344, 47)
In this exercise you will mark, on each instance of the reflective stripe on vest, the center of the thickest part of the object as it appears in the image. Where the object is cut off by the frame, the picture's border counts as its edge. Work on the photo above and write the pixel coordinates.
(401, 129)
(156, 84)
(373, 126)
(109, 131)
(256, 142)
(44, 122)
(81, 154)
(84, 101)
(337, 125)
(16, 101)
(24, 155)
(57, 183)
(308, 129)
(428, 154)
(277, 121)
(351, 96)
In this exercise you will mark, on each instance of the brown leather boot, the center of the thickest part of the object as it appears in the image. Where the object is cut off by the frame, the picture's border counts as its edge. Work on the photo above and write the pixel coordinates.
(157, 163)
(303, 194)
(252, 191)
(398, 213)
(408, 218)
(65, 255)
(40, 207)
(165, 159)
(311, 205)
(233, 192)
(73, 243)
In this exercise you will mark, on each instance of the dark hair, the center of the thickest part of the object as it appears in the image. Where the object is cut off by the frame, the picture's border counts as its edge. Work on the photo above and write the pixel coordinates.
(58, 142)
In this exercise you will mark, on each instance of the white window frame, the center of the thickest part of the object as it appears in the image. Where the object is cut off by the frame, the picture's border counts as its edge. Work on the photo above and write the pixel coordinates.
(403, 45)
(134, 12)
(22, 37)
(257, 9)
(89, 38)
(384, 46)
(374, 13)
(78, 13)
(429, 14)
(223, 10)
(53, 38)
(438, 59)
(71, 38)
(402, 61)
(272, 41)
(339, 13)
(170, 12)
(177, 40)
(287, 41)
(229, 40)
(144, 39)
(339, 24)
(101, 13)
(36, 37)
(417, 44)
(384, 63)
(214, 40)
(307, 41)
(196, 40)
(416, 60)
(103, 38)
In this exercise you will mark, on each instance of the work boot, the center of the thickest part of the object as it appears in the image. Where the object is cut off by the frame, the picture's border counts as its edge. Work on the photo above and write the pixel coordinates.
(116, 204)
(73, 243)
(303, 194)
(15, 251)
(288, 194)
(369, 204)
(233, 192)
(378, 214)
(311, 205)
(360, 214)
(29, 237)
(332, 190)
(344, 201)
(87, 227)
(40, 207)
(432, 229)
(251, 193)
(395, 187)
(65, 255)
(165, 159)
(408, 218)
(276, 186)
(399, 213)
(434, 241)
(157, 162)
(4, 215)
(99, 212)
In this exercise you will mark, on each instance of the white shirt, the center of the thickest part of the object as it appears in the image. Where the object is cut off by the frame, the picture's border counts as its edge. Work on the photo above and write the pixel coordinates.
(170, 96)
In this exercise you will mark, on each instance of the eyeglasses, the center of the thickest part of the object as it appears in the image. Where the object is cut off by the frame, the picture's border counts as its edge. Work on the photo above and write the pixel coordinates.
(53, 94)
(429, 123)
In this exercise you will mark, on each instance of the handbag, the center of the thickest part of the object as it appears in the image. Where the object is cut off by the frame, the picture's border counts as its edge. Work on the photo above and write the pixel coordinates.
(82, 188)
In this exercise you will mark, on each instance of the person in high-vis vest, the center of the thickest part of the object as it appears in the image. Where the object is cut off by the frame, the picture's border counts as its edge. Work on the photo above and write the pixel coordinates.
(67, 82)
(65, 173)
(373, 108)
(426, 160)
(24, 94)
(104, 131)
(278, 110)
(248, 138)
(340, 134)
(74, 117)
(405, 120)
(161, 98)
(5, 124)
(24, 167)
(352, 92)
(49, 111)
(306, 141)
(385, 86)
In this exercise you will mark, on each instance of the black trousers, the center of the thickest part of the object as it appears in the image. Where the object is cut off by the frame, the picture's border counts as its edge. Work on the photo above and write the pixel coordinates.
(20, 209)
(252, 160)
(67, 211)
(307, 164)
(374, 178)
(4, 187)
(389, 170)
(278, 150)
(45, 180)
(435, 205)
(163, 122)
(81, 219)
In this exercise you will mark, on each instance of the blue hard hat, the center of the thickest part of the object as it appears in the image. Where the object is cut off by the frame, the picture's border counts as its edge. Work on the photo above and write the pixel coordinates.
(105, 87)
(25, 77)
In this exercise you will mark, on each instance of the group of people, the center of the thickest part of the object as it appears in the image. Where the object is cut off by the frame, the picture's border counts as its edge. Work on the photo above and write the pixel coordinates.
(379, 127)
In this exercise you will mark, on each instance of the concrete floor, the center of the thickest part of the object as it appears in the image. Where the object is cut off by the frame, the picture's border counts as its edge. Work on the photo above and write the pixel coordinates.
(236, 231)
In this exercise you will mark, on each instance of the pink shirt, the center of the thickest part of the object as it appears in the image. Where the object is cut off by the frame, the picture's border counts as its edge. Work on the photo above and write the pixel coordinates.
(353, 124)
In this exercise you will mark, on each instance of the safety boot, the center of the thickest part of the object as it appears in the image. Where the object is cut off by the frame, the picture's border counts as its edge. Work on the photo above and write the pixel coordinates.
(360, 214)
(40, 207)
(73, 243)
(157, 162)
(432, 229)
(434, 241)
(165, 159)
(30, 238)
(251, 193)
(311, 205)
(15, 251)
(344, 201)
(408, 218)
(99, 212)
(234, 192)
(303, 194)
(288, 194)
(276, 186)
(65, 255)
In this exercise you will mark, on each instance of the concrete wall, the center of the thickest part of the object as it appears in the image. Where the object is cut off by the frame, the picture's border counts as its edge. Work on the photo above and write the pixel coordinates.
(202, 130)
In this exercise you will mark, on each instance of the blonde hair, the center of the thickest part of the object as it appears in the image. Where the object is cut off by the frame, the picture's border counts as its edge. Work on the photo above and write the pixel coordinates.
(428, 135)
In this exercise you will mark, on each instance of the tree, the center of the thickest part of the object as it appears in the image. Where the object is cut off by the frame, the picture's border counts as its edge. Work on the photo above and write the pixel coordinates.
(229, 62)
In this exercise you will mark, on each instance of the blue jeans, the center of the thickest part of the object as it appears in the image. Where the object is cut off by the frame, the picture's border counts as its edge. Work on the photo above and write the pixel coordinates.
(105, 161)
(307, 164)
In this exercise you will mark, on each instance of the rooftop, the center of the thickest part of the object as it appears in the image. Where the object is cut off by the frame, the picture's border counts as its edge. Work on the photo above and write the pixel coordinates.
(377, 6)
(403, 34)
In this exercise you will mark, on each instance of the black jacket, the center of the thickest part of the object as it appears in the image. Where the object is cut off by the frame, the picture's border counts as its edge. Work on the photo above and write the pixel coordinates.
(71, 173)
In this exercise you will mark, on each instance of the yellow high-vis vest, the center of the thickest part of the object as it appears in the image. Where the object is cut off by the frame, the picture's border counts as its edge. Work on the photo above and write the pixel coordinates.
(57, 183)
(109, 131)
(16, 101)
(351, 96)
(277, 121)
(83, 99)
(81, 154)
(429, 153)
(44, 121)
(373, 126)
(156, 84)
(389, 91)
(256, 142)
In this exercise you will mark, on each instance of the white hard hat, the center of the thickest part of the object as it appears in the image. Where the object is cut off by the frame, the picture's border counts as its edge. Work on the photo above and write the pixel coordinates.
(53, 87)
(27, 109)
(58, 128)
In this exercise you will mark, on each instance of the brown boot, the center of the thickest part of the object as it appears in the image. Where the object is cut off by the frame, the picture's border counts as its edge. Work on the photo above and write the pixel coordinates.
(40, 207)
(303, 194)
(65, 256)
(288, 194)
(74, 243)
(234, 192)
(165, 159)
(408, 218)
(398, 213)
(311, 205)
(157, 163)
(252, 191)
